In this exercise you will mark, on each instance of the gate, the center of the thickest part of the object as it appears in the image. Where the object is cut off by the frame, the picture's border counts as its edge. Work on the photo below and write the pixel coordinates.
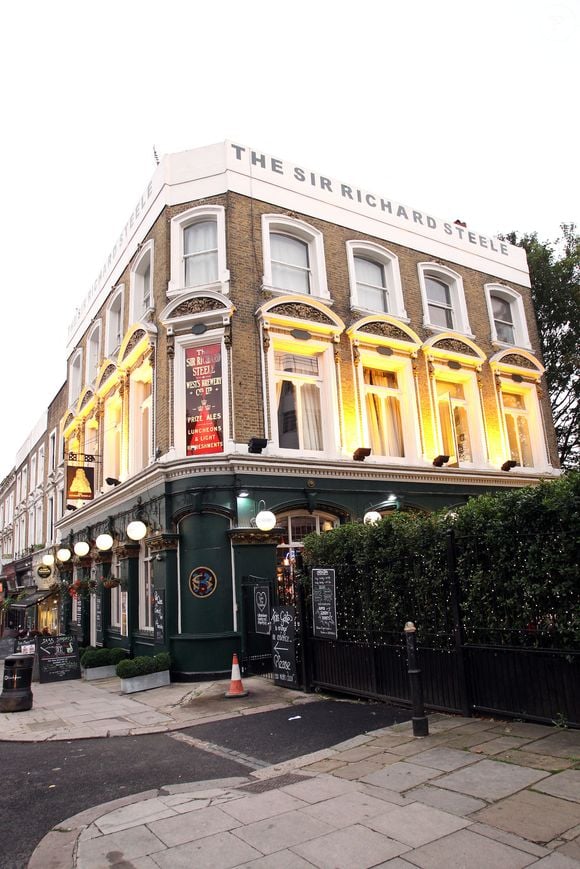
(258, 598)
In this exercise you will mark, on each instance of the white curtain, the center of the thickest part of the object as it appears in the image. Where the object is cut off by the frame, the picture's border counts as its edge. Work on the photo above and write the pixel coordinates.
(311, 416)
(383, 414)
(200, 250)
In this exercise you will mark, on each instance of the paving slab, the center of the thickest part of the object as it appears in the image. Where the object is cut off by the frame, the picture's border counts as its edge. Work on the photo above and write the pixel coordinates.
(290, 829)
(322, 787)
(347, 809)
(354, 846)
(468, 850)
(534, 816)
(187, 827)
(444, 759)
(501, 743)
(563, 784)
(108, 850)
(447, 801)
(536, 761)
(220, 851)
(133, 815)
(563, 743)
(257, 807)
(510, 839)
(400, 776)
(280, 860)
(490, 780)
(416, 824)
(523, 728)
(556, 861)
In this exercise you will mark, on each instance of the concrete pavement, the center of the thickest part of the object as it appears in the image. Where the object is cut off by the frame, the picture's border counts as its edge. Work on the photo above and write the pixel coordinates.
(474, 793)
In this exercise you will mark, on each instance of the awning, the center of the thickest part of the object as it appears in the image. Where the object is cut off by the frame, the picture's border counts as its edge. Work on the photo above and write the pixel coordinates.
(31, 600)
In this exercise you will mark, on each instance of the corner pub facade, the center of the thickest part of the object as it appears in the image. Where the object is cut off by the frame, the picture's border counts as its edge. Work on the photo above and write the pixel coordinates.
(263, 338)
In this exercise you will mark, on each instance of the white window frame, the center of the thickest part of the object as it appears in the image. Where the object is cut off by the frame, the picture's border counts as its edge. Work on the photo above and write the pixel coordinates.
(328, 394)
(114, 338)
(319, 515)
(390, 264)
(112, 456)
(145, 575)
(38, 524)
(279, 223)
(93, 352)
(458, 305)
(24, 491)
(32, 478)
(40, 467)
(537, 442)
(179, 224)
(516, 303)
(75, 376)
(403, 369)
(138, 311)
(52, 441)
(468, 379)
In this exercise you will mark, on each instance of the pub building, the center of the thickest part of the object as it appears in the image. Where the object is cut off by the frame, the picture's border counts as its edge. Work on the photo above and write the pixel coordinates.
(269, 352)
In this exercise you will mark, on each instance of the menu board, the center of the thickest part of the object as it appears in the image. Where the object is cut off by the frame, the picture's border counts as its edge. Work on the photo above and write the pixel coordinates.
(262, 608)
(324, 603)
(283, 646)
(58, 658)
(159, 616)
(99, 618)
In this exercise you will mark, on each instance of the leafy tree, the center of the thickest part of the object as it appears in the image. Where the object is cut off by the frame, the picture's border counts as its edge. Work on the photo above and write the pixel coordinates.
(555, 273)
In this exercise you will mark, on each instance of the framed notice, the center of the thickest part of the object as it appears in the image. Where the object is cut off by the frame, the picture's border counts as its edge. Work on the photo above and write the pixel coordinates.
(204, 400)
(58, 658)
(324, 603)
(262, 613)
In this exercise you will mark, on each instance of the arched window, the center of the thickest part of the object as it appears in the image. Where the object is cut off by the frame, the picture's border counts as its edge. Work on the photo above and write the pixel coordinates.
(198, 250)
(141, 284)
(93, 353)
(444, 305)
(375, 280)
(506, 316)
(115, 323)
(293, 256)
(75, 376)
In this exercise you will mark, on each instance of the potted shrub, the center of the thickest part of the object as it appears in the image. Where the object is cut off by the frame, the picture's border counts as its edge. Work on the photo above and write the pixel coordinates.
(143, 673)
(101, 663)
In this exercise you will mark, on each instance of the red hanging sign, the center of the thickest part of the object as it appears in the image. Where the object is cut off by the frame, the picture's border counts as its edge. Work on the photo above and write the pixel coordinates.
(204, 400)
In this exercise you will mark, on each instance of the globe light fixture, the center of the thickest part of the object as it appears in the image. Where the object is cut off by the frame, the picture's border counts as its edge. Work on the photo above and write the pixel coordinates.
(104, 542)
(265, 520)
(82, 548)
(371, 517)
(136, 530)
(63, 554)
(48, 559)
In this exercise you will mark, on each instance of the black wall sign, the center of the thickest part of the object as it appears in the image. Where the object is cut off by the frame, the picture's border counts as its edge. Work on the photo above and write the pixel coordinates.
(324, 603)
(159, 616)
(58, 658)
(283, 647)
(99, 618)
(262, 608)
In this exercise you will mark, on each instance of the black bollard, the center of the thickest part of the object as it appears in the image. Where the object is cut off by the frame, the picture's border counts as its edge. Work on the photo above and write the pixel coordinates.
(16, 694)
(420, 722)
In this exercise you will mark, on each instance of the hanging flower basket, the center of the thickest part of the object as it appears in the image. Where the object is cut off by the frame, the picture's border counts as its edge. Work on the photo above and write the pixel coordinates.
(111, 582)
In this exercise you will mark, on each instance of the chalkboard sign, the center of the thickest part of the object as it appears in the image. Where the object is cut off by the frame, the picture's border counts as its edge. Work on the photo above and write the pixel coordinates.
(283, 648)
(58, 658)
(25, 646)
(262, 608)
(324, 603)
(159, 616)
(99, 619)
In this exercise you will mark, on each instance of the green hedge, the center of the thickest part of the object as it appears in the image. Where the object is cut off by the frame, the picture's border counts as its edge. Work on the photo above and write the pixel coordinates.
(143, 665)
(102, 657)
(517, 569)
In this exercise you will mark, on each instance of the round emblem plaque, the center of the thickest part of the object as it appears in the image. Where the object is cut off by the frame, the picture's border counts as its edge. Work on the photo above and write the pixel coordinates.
(202, 582)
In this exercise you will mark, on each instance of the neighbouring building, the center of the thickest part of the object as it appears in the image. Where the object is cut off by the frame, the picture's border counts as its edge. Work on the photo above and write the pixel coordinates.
(264, 338)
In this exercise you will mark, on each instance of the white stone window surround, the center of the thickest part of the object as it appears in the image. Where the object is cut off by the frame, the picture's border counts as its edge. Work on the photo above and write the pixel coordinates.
(184, 342)
(467, 377)
(137, 310)
(114, 321)
(402, 366)
(179, 224)
(324, 351)
(390, 263)
(455, 283)
(532, 408)
(94, 344)
(299, 229)
(145, 583)
(75, 376)
(516, 303)
(140, 408)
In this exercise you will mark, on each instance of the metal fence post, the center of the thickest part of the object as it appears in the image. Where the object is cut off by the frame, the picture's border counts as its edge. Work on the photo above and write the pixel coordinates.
(420, 722)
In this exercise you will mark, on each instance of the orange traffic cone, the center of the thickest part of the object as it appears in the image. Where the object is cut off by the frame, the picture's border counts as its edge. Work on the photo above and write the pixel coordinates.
(236, 687)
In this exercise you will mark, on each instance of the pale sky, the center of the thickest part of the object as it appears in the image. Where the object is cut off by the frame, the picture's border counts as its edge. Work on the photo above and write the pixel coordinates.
(464, 110)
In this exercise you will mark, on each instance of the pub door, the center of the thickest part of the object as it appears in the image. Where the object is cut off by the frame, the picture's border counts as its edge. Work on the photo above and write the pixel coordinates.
(258, 597)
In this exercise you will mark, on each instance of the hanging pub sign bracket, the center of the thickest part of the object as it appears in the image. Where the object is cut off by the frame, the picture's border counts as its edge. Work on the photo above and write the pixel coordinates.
(91, 458)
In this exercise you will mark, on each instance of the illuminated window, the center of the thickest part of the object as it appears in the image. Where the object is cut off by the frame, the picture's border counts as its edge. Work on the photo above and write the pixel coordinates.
(75, 376)
(298, 391)
(145, 589)
(383, 409)
(293, 256)
(141, 288)
(517, 427)
(93, 353)
(115, 323)
(112, 425)
(140, 416)
(452, 409)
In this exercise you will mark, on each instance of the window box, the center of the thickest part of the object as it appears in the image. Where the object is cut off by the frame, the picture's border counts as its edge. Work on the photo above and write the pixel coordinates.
(91, 673)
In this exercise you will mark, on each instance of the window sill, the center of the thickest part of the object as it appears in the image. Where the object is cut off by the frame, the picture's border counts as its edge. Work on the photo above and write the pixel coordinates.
(221, 286)
(439, 330)
(503, 345)
(367, 312)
